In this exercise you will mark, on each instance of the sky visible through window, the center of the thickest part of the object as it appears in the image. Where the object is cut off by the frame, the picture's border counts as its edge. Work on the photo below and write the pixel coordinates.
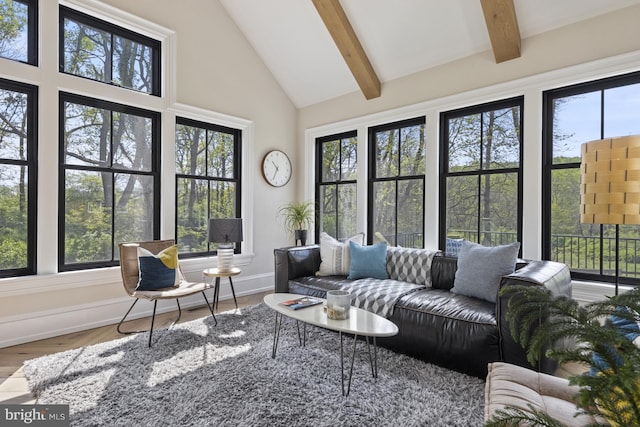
(578, 117)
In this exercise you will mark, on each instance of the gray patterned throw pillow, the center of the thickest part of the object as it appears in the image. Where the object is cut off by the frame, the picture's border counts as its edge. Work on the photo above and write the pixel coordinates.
(410, 265)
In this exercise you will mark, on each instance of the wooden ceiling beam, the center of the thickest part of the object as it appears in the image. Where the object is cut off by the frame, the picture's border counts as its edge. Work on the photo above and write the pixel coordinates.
(349, 46)
(502, 24)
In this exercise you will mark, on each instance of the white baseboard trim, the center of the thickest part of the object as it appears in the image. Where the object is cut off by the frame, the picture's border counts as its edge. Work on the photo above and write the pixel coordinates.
(34, 326)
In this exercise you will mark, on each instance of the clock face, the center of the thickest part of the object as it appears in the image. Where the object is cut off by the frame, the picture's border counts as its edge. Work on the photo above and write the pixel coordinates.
(276, 168)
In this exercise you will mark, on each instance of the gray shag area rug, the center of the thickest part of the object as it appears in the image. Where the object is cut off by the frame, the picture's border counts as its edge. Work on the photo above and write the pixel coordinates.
(198, 374)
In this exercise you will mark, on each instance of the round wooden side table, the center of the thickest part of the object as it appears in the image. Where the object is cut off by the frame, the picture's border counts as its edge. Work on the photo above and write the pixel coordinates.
(215, 273)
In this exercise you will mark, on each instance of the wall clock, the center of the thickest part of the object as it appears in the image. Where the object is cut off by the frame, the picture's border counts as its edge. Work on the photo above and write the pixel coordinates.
(276, 168)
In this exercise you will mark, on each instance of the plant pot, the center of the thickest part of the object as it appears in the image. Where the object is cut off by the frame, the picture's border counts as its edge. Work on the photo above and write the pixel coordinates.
(302, 236)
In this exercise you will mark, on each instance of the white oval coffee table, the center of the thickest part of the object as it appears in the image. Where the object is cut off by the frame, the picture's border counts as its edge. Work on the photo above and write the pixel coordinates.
(360, 322)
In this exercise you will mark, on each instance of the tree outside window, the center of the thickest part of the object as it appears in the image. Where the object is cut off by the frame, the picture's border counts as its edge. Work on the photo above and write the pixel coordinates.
(18, 30)
(100, 51)
(17, 178)
(336, 194)
(207, 181)
(482, 173)
(396, 184)
(109, 182)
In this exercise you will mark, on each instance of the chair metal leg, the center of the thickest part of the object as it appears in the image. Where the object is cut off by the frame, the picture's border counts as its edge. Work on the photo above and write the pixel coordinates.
(153, 318)
(179, 313)
(210, 308)
(125, 316)
(155, 304)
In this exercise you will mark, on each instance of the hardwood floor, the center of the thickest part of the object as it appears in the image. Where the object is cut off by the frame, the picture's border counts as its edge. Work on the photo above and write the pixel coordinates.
(13, 385)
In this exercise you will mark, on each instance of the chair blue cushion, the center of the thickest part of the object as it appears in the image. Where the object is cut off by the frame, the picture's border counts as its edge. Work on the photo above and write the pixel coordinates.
(368, 261)
(158, 271)
(480, 269)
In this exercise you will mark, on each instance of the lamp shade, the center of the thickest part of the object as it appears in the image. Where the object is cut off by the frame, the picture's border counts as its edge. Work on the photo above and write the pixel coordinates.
(225, 230)
(610, 181)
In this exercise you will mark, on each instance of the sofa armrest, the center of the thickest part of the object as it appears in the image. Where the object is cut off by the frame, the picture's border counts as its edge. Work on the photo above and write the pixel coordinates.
(556, 278)
(292, 262)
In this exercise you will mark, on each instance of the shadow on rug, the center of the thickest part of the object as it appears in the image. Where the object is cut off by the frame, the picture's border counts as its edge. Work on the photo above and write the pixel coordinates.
(201, 375)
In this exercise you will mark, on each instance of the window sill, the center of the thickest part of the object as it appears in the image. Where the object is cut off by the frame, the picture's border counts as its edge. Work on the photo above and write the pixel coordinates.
(585, 291)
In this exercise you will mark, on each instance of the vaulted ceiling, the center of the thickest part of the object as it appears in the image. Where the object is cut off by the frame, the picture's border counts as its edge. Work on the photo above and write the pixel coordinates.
(312, 46)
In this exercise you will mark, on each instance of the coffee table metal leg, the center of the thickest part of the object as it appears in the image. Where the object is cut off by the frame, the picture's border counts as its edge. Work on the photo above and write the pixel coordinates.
(374, 372)
(276, 334)
(341, 364)
(375, 356)
(353, 357)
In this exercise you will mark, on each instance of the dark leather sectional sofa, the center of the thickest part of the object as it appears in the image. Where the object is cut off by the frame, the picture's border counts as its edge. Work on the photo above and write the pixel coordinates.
(452, 330)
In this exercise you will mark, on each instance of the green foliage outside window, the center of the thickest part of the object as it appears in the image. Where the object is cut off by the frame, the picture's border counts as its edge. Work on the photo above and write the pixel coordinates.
(14, 179)
(206, 181)
(13, 30)
(482, 176)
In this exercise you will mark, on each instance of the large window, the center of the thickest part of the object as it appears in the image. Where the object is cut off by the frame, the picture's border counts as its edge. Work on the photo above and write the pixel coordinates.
(481, 173)
(109, 179)
(207, 181)
(18, 178)
(336, 173)
(574, 115)
(396, 183)
(18, 30)
(101, 51)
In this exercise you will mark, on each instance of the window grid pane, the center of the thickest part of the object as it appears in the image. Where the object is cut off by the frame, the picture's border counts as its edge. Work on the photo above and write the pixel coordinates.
(18, 37)
(482, 178)
(207, 182)
(579, 114)
(110, 180)
(336, 196)
(101, 51)
(397, 175)
(18, 178)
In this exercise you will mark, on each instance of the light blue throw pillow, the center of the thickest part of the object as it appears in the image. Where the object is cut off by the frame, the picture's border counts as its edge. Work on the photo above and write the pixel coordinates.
(368, 261)
(480, 269)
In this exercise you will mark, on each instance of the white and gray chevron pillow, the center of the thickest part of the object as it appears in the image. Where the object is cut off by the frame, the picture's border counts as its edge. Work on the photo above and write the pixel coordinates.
(410, 265)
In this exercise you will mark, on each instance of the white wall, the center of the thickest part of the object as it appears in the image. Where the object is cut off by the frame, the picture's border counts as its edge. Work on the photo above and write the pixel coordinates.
(215, 74)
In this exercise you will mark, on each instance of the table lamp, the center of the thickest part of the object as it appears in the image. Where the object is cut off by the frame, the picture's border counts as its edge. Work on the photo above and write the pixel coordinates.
(610, 185)
(225, 232)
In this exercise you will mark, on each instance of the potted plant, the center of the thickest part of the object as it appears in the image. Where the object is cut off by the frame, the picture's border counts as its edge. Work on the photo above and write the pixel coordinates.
(604, 333)
(296, 218)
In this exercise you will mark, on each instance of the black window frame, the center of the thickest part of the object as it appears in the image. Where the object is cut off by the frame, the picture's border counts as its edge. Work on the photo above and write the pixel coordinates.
(548, 98)
(320, 183)
(154, 173)
(113, 30)
(32, 165)
(444, 163)
(32, 32)
(237, 179)
(416, 121)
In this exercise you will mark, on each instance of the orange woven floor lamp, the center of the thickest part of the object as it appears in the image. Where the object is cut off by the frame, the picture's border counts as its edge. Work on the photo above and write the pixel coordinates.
(610, 185)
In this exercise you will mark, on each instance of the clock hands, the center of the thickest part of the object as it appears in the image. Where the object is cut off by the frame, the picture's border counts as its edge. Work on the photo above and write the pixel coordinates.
(276, 171)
